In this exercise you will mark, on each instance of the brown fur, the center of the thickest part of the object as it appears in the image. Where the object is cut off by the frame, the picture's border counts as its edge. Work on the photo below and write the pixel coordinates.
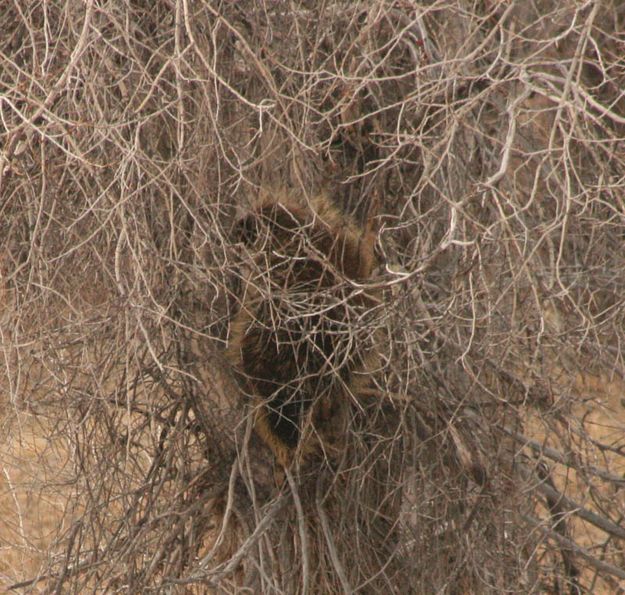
(291, 338)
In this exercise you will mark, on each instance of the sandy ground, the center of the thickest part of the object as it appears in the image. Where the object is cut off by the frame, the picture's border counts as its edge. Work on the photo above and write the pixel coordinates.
(33, 497)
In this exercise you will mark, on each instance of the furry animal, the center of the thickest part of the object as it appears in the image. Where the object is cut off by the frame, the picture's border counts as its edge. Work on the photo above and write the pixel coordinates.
(295, 340)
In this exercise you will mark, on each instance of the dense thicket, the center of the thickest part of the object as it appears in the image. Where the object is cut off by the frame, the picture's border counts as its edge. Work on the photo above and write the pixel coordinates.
(486, 140)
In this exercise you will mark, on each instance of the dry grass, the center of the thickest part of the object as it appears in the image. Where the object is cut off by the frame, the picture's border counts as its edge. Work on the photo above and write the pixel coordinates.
(484, 141)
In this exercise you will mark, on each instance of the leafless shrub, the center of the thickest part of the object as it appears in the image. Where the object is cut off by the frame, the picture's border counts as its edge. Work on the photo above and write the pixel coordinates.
(487, 138)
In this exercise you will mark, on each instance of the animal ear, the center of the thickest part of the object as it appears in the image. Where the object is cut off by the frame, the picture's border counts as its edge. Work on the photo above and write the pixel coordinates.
(368, 240)
(246, 229)
(372, 220)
